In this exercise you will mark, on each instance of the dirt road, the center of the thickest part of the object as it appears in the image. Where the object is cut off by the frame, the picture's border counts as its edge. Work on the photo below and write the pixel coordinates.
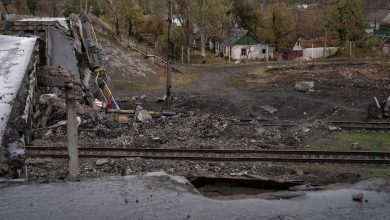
(241, 90)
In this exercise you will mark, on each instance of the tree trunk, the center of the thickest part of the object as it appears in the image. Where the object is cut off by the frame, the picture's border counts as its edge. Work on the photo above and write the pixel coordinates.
(117, 26)
(18, 6)
(54, 8)
(203, 46)
(130, 28)
(188, 55)
(5, 6)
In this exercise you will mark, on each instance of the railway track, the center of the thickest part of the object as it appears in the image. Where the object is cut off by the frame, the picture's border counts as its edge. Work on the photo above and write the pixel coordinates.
(346, 125)
(295, 156)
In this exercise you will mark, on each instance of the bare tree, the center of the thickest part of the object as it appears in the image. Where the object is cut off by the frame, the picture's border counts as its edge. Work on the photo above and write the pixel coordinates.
(183, 11)
(114, 8)
(5, 4)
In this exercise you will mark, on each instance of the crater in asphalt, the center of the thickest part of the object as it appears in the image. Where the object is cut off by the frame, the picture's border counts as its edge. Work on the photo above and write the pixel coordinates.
(238, 187)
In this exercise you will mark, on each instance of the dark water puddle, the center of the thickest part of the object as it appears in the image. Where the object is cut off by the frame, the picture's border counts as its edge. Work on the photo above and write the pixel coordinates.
(215, 187)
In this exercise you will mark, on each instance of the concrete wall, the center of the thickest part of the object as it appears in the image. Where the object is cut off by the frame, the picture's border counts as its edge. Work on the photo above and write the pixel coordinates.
(318, 52)
(254, 52)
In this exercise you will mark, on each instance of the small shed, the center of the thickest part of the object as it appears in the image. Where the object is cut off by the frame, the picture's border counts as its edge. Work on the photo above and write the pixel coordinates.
(243, 45)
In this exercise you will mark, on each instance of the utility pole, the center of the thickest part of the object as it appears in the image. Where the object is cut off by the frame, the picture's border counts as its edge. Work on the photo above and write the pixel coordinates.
(170, 54)
(71, 124)
(202, 34)
(326, 37)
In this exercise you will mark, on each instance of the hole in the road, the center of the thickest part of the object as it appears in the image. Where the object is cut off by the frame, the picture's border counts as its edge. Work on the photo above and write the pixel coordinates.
(233, 187)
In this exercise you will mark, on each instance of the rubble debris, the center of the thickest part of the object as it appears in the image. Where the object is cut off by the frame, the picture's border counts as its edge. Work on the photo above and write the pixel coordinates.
(332, 128)
(111, 124)
(15, 152)
(101, 162)
(298, 172)
(378, 110)
(59, 103)
(162, 99)
(305, 86)
(142, 115)
(355, 146)
(269, 109)
(358, 197)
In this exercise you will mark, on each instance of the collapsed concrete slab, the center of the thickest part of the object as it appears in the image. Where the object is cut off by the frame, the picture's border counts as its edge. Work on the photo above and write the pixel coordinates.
(18, 66)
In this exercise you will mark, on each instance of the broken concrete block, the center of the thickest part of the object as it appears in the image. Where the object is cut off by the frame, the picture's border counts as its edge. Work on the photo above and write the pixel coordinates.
(355, 146)
(142, 115)
(162, 99)
(101, 162)
(305, 86)
(357, 197)
(332, 128)
(15, 151)
(269, 109)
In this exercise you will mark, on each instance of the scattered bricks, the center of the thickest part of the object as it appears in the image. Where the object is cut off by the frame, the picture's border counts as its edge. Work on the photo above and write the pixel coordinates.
(306, 86)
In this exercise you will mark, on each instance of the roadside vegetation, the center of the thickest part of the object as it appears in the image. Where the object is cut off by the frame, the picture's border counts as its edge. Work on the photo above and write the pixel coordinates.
(352, 140)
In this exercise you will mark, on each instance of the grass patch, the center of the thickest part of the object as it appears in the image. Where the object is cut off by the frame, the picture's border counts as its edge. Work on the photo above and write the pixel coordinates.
(182, 79)
(344, 141)
(380, 172)
(366, 141)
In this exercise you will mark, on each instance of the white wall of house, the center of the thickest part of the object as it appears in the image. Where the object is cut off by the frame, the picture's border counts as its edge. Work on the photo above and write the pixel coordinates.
(252, 52)
(318, 52)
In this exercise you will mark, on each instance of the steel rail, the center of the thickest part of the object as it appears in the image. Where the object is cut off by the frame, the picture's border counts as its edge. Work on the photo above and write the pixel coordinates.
(220, 151)
(220, 155)
(239, 159)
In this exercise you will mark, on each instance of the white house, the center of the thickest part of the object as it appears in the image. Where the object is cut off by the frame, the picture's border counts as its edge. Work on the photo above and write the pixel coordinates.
(243, 45)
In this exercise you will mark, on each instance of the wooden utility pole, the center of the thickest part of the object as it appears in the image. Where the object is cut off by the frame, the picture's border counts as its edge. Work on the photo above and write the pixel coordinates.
(326, 36)
(71, 127)
(170, 54)
(59, 77)
(202, 34)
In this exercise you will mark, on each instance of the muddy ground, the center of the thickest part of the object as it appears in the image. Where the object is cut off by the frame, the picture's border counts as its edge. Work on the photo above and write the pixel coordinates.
(209, 105)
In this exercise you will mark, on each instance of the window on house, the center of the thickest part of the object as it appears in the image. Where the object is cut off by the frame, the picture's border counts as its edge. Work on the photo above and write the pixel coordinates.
(243, 52)
(264, 51)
